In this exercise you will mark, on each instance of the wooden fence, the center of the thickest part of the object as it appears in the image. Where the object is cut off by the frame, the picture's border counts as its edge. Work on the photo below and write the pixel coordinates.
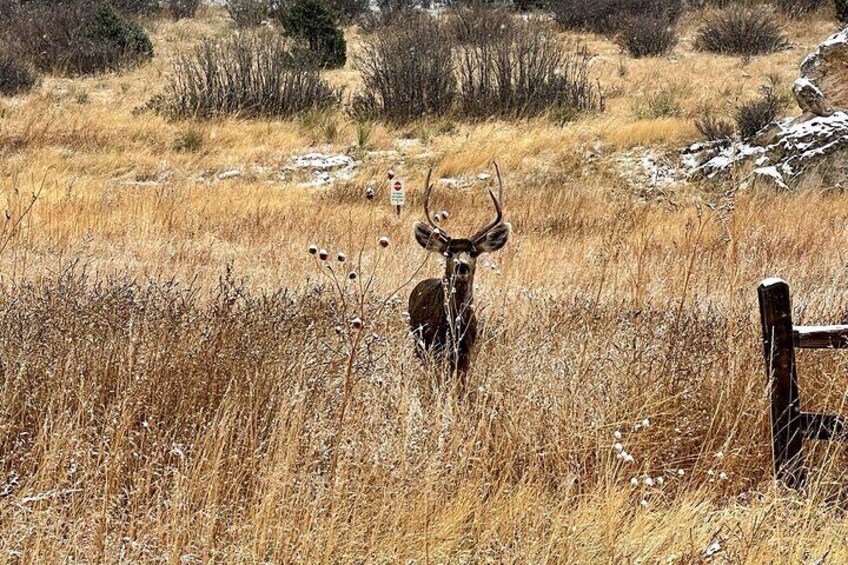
(790, 425)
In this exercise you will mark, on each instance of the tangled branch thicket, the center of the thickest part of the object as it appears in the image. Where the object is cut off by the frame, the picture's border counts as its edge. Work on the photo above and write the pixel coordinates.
(16, 76)
(741, 31)
(520, 69)
(482, 63)
(608, 16)
(755, 114)
(248, 75)
(407, 71)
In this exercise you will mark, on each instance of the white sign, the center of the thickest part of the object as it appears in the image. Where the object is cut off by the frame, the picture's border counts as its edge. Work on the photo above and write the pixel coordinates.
(398, 193)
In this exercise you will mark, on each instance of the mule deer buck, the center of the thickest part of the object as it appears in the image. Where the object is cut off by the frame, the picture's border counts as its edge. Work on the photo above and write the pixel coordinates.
(441, 311)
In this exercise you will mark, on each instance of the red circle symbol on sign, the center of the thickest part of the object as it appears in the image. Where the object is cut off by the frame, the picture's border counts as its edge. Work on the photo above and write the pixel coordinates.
(398, 186)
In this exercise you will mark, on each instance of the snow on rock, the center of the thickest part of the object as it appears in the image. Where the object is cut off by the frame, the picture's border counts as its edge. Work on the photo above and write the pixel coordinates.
(771, 174)
(231, 174)
(321, 169)
(321, 162)
(794, 146)
(784, 150)
(827, 69)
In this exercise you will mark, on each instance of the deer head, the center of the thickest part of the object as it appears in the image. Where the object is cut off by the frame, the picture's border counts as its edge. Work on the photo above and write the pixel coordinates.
(461, 253)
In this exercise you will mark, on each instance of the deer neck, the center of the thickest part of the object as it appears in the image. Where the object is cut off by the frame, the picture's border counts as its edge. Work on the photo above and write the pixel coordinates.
(460, 294)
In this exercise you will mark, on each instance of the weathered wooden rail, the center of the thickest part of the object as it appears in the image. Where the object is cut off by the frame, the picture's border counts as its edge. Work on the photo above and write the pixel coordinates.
(789, 424)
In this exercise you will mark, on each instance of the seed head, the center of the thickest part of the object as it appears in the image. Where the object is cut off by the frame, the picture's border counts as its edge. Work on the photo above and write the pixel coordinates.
(384, 241)
(444, 214)
(352, 275)
(649, 482)
(356, 323)
(634, 481)
(313, 249)
(369, 193)
(618, 447)
(323, 254)
(341, 257)
(616, 434)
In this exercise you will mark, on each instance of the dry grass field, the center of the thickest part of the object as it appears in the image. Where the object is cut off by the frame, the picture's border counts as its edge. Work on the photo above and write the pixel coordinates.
(180, 382)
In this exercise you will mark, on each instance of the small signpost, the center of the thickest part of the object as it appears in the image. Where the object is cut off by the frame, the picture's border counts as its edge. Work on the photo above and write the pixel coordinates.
(398, 193)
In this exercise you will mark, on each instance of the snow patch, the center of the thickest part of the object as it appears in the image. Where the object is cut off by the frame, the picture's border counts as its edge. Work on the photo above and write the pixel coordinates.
(324, 169)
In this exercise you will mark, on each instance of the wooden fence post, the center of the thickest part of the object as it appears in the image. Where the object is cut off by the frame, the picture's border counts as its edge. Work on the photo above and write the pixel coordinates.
(779, 352)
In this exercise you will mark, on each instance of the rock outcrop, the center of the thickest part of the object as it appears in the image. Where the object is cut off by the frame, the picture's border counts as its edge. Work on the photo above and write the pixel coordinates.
(786, 150)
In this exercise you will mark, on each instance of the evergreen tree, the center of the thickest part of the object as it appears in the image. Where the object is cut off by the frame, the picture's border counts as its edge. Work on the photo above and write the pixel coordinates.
(314, 22)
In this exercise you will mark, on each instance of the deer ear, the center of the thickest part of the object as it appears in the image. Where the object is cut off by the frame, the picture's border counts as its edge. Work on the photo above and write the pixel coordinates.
(427, 238)
(494, 239)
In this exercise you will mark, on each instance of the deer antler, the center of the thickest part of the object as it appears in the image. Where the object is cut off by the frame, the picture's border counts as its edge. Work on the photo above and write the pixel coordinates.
(497, 201)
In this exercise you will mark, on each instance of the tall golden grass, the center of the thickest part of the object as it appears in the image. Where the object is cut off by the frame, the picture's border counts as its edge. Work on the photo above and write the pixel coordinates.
(174, 363)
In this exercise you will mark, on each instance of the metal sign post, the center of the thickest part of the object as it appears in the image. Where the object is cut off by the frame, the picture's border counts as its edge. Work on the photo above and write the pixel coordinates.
(398, 194)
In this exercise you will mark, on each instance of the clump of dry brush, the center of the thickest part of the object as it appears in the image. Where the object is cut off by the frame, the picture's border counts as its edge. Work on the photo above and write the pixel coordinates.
(253, 74)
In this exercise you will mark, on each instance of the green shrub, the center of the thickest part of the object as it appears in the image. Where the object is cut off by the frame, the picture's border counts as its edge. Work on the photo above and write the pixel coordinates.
(74, 38)
(107, 27)
(313, 22)
(348, 10)
(666, 102)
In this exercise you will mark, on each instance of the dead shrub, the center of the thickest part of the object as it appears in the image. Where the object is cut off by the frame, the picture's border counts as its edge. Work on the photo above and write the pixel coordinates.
(607, 16)
(799, 8)
(248, 75)
(520, 69)
(406, 71)
(248, 13)
(182, 9)
(714, 128)
(741, 31)
(646, 36)
(753, 115)
(480, 23)
(16, 77)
